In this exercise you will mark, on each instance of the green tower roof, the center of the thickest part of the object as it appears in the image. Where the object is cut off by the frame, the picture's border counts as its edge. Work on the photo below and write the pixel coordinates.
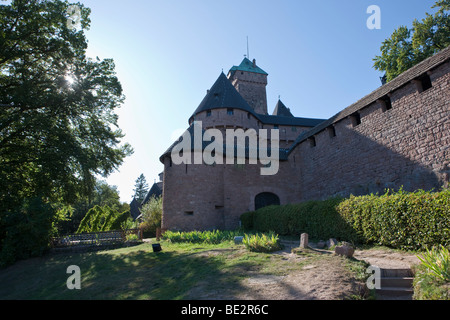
(249, 66)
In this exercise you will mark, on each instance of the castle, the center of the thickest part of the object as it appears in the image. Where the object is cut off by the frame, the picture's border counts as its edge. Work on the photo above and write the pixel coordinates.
(397, 136)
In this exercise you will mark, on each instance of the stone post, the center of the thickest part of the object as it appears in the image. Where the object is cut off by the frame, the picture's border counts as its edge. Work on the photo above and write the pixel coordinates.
(304, 240)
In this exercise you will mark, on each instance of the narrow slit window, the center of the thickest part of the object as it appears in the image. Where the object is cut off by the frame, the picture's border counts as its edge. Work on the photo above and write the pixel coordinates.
(425, 81)
(312, 142)
(386, 103)
(356, 119)
(189, 213)
(332, 131)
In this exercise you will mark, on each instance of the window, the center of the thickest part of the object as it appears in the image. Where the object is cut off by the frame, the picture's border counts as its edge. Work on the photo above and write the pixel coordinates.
(356, 119)
(208, 113)
(424, 83)
(248, 115)
(275, 126)
(386, 103)
(312, 142)
(332, 131)
(294, 129)
(230, 112)
(189, 213)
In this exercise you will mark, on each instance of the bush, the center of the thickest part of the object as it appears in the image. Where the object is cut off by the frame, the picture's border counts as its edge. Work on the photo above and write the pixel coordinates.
(262, 242)
(411, 221)
(27, 231)
(151, 216)
(103, 218)
(319, 219)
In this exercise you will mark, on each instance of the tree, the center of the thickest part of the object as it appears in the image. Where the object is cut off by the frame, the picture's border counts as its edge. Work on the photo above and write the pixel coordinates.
(151, 215)
(58, 127)
(140, 188)
(407, 47)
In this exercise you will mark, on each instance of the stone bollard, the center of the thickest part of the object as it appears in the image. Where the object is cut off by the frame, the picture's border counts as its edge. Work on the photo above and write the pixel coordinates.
(304, 240)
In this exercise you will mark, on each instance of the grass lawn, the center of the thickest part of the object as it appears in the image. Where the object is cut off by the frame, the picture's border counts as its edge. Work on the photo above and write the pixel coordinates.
(139, 273)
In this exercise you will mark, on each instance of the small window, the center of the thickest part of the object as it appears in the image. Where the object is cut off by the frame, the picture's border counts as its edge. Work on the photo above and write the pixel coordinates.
(208, 113)
(275, 126)
(386, 103)
(425, 83)
(230, 112)
(332, 131)
(312, 142)
(189, 213)
(356, 119)
(248, 115)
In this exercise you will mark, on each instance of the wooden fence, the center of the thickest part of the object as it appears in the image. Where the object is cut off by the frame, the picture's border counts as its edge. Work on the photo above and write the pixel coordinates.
(96, 238)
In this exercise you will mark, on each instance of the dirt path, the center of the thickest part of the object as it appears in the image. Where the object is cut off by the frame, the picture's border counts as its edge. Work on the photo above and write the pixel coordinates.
(388, 259)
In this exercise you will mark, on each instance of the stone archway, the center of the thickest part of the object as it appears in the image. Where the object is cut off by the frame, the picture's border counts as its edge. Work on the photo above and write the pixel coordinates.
(266, 199)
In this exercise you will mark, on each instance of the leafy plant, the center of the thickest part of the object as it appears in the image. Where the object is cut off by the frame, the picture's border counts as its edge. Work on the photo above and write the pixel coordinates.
(262, 242)
(437, 263)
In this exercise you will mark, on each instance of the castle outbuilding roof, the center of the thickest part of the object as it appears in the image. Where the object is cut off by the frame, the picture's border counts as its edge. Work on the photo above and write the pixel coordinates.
(223, 95)
(281, 110)
(248, 66)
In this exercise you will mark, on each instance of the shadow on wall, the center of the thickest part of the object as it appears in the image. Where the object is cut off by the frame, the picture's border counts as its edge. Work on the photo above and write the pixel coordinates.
(352, 163)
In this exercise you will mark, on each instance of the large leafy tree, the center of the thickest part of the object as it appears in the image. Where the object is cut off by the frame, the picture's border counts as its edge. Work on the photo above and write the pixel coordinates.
(407, 47)
(58, 127)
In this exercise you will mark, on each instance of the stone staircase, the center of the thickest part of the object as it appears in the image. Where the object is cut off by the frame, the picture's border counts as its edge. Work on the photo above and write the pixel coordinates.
(396, 284)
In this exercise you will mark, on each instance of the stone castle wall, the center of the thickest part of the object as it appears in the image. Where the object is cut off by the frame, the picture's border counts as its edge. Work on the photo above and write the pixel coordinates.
(366, 148)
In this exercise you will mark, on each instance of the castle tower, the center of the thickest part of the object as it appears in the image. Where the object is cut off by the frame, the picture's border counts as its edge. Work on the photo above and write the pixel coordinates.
(250, 81)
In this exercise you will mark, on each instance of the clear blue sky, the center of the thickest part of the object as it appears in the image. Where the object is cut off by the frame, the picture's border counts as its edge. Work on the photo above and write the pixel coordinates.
(168, 53)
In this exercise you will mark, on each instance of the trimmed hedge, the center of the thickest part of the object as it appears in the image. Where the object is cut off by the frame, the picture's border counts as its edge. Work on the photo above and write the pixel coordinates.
(317, 218)
(403, 220)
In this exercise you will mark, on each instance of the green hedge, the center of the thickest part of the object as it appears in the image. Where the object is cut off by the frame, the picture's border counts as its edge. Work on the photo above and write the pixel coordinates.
(317, 218)
(403, 220)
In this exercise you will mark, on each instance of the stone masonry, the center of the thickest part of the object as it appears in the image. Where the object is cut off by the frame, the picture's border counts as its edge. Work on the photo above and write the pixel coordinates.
(397, 136)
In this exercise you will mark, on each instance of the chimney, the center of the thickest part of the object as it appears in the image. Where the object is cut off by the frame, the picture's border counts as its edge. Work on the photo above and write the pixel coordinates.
(254, 63)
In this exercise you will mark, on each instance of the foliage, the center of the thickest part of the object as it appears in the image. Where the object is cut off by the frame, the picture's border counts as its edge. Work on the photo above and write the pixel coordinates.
(210, 237)
(58, 127)
(103, 218)
(407, 47)
(411, 221)
(151, 215)
(140, 188)
(262, 242)
(437, 263)
(317, 218)
(27, 231)
(432, 277)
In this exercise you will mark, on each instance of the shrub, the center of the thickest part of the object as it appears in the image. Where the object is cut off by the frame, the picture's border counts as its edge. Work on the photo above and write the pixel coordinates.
(262, 242)
(151, 216)
(412, 221)
(319, 219)
(102, 219)
(27, 231)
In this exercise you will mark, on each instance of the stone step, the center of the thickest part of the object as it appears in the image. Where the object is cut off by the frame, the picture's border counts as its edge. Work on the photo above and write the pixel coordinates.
(395, 291)
(391, 273)
(403, 282)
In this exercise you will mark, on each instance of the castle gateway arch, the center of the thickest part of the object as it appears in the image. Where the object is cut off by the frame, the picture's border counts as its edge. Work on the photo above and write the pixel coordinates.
(266, 199)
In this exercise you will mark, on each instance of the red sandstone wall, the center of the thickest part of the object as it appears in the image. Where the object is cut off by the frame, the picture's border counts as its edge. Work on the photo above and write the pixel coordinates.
(407, 146)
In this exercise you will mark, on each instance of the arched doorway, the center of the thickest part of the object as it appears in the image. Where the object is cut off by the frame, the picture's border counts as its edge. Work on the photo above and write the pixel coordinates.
(266, 199)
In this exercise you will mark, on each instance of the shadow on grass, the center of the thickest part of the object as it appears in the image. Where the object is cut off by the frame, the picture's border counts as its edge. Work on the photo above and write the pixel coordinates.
(137, 273)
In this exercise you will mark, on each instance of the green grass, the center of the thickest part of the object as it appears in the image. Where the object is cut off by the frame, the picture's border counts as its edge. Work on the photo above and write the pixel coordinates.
(179, 271)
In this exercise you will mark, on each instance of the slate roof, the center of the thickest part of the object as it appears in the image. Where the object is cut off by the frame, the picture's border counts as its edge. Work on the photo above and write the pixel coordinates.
(248, 66)
(223, 95)
(281, 110)
(135, 207)
(155, 191)
(404, 78)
